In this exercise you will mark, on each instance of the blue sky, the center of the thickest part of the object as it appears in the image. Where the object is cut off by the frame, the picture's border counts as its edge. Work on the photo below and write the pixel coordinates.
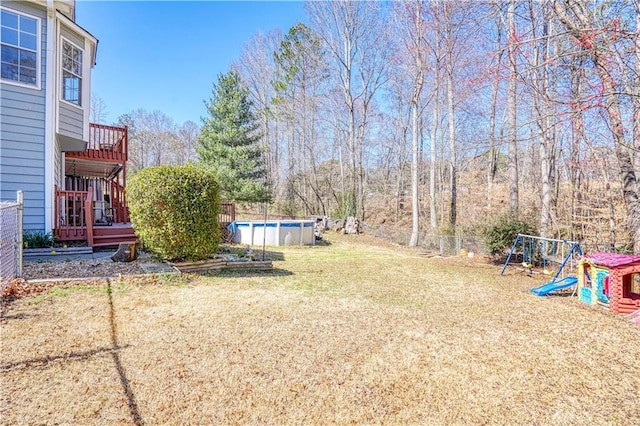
(165, 55)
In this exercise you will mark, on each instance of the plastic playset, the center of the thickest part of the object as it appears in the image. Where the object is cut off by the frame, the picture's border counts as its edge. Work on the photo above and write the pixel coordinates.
(608, 279)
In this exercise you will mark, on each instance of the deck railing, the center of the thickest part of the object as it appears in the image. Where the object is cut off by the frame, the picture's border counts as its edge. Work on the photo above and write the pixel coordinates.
(106, 143)
(70, 215)
(227, 213)
(88, 214)
(109, 138)
(75, 209)
(119, 207)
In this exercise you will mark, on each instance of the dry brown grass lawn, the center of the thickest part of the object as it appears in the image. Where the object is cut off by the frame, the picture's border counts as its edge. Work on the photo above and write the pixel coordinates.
(349, 333)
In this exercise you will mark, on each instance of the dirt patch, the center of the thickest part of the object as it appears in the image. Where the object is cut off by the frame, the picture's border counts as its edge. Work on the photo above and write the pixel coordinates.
(104, 267)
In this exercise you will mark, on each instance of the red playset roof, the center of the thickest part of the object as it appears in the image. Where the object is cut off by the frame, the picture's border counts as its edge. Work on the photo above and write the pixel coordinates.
(611, 260)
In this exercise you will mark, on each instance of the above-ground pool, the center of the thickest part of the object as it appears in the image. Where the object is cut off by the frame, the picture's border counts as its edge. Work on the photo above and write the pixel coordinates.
(274, 232)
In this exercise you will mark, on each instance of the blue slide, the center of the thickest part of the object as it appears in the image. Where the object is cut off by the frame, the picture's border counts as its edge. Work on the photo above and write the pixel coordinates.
(547, 288)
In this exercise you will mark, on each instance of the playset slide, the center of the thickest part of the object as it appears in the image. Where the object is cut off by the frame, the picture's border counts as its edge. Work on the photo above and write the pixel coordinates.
(547, 288)
(634, 316)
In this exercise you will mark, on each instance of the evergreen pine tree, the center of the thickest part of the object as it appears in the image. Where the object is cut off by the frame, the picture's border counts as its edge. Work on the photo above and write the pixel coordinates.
(229, 140)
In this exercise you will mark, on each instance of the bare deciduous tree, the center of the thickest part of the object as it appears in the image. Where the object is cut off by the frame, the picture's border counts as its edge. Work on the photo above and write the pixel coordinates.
(351, 34)
(512, 138)
(257, 67)
(582, 23)
(154, 139)
(410, 24)
(97, 110)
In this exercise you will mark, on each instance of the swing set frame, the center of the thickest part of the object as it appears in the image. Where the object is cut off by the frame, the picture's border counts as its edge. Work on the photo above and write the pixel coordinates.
(535, 245)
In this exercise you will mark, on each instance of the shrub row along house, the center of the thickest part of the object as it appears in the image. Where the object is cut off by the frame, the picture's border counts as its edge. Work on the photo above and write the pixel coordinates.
(72, 172)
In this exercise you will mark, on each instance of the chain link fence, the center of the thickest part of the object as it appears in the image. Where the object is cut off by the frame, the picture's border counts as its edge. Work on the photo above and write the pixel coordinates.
(395, 235)
(453, 245)
(444, 245)
(10, 242)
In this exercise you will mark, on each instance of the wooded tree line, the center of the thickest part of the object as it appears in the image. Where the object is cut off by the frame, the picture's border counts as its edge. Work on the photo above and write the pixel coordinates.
(154, 137)
(440, 115)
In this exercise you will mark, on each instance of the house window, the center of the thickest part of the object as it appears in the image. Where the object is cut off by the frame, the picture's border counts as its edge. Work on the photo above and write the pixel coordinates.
(19, 44)
(71, 73)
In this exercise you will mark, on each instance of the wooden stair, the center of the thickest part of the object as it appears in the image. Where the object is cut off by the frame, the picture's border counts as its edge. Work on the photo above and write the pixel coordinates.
(113, 235)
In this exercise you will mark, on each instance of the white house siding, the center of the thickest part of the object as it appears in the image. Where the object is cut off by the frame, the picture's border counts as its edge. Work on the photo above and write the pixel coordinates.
(22, 134)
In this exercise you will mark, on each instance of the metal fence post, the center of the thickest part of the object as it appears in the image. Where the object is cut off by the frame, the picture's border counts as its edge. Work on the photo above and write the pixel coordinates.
(20, 199)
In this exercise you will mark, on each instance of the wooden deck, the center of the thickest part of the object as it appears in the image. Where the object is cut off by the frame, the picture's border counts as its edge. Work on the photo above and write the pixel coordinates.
(106, 143)
(96, 209)
(108, 235)
(75, 209)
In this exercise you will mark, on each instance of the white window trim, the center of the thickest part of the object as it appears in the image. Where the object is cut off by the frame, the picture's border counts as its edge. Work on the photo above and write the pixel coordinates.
(86, 89)
(61, 70)
(38, 52)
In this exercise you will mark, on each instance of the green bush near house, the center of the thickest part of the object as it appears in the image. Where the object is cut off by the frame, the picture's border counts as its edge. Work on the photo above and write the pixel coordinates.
(37, 239)
(174, 210)
(501, 235)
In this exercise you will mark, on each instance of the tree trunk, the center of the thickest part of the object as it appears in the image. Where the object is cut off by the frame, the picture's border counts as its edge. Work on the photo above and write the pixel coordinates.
(493, 152)
(636, 93)
(360, 206)
(433, 157)
(415, 210)
(578, 137)
(511, 108)
(581, 29)
(625, 161)
(415, 128)
(452, 147)
(541, 83)
(610, 207)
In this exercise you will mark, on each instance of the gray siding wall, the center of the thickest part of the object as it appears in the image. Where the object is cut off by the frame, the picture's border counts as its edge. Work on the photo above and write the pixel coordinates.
(71, 118)
(22, 135)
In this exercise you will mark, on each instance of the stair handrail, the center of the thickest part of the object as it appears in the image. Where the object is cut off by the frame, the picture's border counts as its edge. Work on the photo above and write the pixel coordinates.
(88, 215)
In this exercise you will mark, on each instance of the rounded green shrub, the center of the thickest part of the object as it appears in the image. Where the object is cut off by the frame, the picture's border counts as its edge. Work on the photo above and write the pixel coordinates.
(500, 236)
(174, 211)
